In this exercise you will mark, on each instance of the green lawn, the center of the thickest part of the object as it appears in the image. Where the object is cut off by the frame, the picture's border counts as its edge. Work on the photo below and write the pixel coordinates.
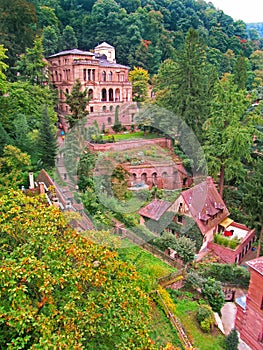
(185, 311)
(132, 136)
(161, 330)
(146, 264)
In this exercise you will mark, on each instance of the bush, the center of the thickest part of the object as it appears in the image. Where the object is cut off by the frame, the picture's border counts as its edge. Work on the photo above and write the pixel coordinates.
(203, 312)
(212, 291)
(232, 340)
(205, 317)
(226, 273)
(195, 280)
(205, 325)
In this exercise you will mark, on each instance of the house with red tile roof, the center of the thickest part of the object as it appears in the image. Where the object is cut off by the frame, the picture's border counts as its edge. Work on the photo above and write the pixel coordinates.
(249, 316)
(205, 206)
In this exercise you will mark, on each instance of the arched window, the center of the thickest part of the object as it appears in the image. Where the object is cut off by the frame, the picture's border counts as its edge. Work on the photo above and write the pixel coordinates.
(117, 95)
(90, 94)
(154, 178)
(164, 174)
(110, 76)
(144, 177)
(104, 109)
(103, 95)
(103, 76)
(110, 95)
(67, 91)
(109, 120)
(111, 108)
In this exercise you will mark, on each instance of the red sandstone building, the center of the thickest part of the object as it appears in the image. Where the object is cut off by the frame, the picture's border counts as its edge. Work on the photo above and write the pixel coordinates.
(249, 317)
(164, 170)
(106, 81)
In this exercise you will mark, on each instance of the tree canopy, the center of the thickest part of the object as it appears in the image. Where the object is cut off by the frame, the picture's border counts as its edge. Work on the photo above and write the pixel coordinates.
(60, 290)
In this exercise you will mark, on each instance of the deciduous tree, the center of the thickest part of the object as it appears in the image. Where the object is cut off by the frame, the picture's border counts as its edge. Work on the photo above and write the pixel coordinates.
(31, 66)
(14, 167)
(139, 78)
(60, 290)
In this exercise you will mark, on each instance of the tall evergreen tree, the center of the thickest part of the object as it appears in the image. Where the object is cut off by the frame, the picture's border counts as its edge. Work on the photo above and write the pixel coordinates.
(184, 85)
(77, 102)
(47, 142)
(240, 72)
(229, 133)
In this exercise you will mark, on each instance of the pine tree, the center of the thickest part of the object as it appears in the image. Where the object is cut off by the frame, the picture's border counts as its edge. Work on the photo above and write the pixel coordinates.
(185, 84)
(117, 124)
(240, 72)
(77, 102)
(47, 143)
(232, 340)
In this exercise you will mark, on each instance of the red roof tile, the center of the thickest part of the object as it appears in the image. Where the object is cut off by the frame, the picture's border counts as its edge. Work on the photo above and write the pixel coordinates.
(256, 264)
(155, 209)
(205, 205)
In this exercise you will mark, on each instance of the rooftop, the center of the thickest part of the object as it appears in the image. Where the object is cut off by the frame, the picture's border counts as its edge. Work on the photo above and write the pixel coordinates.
(104, 45)
(238, 232)
(256, 264)
(155, 209)
(72, 52)
(205, 204)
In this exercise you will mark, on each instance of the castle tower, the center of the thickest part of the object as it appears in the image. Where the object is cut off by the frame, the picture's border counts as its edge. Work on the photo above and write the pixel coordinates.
(107, 50)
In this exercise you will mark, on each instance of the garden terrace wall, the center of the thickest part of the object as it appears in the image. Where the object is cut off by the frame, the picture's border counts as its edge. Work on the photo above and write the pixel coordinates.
(126, 145)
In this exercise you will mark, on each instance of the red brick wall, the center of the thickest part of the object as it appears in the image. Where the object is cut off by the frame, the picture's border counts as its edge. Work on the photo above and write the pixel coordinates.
(225, 253)
(252, 327)
(124, 145)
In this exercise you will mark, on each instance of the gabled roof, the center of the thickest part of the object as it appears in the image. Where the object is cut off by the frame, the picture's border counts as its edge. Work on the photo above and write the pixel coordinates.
(256, 264)
(103, 45)
(72, 52)
(155, 209)
(205, 205)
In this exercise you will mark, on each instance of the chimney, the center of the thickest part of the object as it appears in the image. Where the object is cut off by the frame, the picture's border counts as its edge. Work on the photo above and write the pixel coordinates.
(41, 188)
(31, 180)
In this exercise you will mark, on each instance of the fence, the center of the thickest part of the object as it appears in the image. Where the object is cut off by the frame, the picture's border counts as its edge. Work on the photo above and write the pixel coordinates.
(177, 324)
(150, 248)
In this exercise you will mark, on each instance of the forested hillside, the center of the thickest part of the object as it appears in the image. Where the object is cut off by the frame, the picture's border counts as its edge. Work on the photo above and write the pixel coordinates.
(255, 30)
(144, 32)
